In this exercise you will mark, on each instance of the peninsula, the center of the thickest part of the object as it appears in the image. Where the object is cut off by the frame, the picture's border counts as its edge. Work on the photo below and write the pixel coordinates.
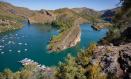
(66, 20)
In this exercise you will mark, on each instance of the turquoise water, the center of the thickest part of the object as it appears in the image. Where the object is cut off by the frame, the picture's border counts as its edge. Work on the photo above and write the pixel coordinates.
(31, 42)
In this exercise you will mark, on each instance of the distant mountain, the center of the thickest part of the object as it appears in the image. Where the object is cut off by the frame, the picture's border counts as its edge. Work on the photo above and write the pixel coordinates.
(107, 15)
(86, 10)
(84, 13)
(11, 9)
(35, 16)
(113, 10)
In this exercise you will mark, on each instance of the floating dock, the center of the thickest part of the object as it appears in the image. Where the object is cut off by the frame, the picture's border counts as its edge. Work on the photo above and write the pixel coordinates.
(27, 61)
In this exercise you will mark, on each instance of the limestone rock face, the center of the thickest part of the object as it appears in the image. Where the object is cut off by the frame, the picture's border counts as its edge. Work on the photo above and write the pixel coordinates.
(125, 61)
(114, 60)
(68, 39)
(42, 17)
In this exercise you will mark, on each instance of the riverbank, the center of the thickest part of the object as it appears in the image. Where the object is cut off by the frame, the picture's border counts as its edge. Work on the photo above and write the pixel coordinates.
(102, 25)
(9, 25)
(66, 39)
(11, 17)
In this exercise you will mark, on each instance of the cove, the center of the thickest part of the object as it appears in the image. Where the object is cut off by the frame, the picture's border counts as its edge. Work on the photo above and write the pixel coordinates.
(31, 42)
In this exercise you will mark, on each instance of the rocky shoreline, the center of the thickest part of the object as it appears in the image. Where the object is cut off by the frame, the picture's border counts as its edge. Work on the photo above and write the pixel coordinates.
(99, 26)
(9, 25)
(42, 17)
(68, 38)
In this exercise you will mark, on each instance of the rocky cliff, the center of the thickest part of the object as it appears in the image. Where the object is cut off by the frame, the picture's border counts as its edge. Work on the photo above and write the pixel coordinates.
(101, 25)
(42, 17)
(67, 39)
(8, 25)
(114, 60)
(11, 16)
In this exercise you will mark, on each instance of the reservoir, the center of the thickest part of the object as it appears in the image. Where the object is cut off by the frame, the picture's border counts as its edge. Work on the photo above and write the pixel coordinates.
(31, 42)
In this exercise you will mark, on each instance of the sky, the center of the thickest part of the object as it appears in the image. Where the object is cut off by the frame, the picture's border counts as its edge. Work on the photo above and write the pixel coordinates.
(55, 4)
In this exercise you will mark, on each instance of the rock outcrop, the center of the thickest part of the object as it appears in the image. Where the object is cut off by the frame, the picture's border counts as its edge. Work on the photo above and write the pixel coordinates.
(69, 21)
(68, 38)
(42, 17)
(102, 25)
(8, 25)
(114, 60)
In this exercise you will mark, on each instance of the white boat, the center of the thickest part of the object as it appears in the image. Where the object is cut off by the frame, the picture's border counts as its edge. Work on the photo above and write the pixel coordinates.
(27, 61)
(20, 43)
(2, 46)
(10, 50)
(25, 44)
(25, 49)
(2, 52)
(9, 42)
(18, 51)
(43, 66)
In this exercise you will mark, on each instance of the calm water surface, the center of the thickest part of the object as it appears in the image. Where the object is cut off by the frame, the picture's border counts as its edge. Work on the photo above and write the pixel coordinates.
(31, 42)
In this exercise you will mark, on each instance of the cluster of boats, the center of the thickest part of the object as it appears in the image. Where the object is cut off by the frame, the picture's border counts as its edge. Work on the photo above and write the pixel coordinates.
(27, 61)
(7, 42)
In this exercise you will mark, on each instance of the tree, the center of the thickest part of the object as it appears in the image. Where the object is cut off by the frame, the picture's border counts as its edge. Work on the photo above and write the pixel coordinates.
(84, 56)
(70, 69)
(25, 74)
(2, 76)
(95, 72)
(8, 74)
(17, 75)
(126, 4)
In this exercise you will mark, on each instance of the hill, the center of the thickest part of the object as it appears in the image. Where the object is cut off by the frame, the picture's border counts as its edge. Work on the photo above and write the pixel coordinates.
(64, 19)
(11, 16)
